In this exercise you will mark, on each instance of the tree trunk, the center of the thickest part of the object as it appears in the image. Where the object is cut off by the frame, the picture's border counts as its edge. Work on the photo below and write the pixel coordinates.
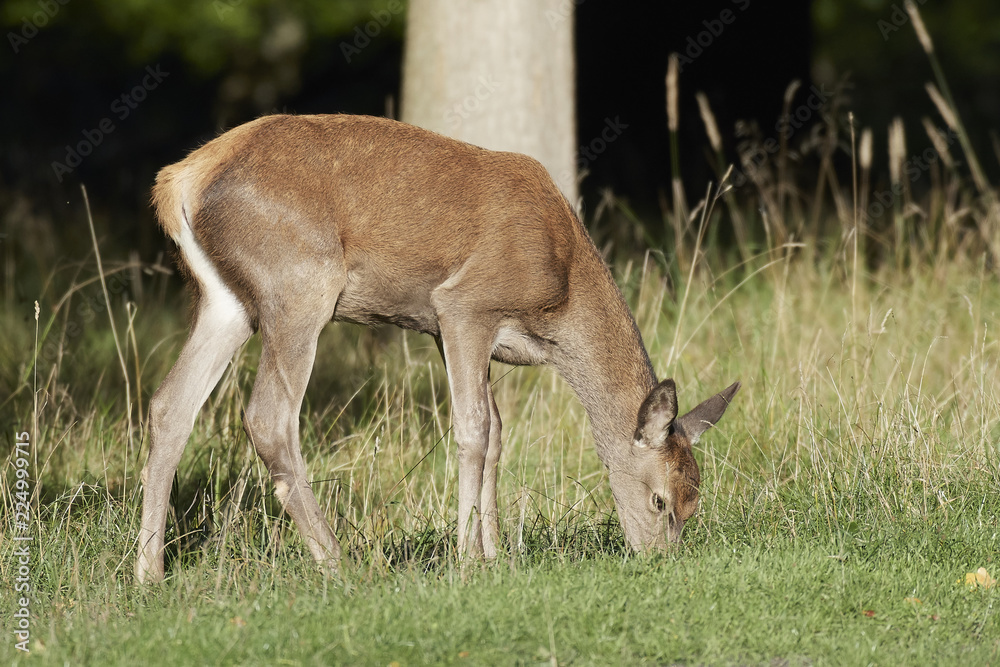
(498, 74)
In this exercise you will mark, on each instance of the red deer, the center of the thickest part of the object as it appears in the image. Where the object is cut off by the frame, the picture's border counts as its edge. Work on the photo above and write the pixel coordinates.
(288, 222)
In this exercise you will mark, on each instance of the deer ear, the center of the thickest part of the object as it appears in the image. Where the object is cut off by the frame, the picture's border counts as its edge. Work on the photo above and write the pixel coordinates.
(656, 414)
(699, 420)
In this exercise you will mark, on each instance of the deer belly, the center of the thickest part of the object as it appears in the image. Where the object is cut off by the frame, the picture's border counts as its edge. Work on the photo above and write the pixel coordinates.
(374, 299)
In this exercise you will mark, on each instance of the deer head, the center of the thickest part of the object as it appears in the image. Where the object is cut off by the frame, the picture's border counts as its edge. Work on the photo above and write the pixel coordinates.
(656, 486)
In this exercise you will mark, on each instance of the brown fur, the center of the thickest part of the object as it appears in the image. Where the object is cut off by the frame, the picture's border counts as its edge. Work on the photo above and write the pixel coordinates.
(311, 218)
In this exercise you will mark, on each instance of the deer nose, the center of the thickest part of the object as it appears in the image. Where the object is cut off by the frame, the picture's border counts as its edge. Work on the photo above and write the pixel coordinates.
(673, 528)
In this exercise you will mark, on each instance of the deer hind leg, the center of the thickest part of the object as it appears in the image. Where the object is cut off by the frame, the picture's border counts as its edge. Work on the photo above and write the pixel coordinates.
(220, 327)
(466, 349)
(271, 421)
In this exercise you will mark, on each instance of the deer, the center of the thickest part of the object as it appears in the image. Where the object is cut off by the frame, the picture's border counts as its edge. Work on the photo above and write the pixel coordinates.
(289, 222)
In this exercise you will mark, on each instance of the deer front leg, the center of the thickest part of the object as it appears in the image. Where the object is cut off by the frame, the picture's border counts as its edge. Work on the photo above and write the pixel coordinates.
(490, 517)
(466, 353)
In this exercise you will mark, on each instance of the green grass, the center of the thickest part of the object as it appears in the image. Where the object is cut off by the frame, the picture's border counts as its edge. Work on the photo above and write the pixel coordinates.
(784, 600)
(846, 494)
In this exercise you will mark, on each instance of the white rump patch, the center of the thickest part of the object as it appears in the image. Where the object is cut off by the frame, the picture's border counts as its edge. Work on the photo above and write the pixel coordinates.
(220, 304)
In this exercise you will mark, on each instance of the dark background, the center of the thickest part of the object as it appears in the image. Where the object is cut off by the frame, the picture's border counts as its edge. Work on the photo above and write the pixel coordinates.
(63, 66)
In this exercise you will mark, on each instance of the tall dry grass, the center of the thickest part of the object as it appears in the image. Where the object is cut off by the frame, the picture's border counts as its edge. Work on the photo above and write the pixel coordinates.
(866, 344)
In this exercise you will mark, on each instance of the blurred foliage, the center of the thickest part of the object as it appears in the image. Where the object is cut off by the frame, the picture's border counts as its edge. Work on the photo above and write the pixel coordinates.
(250, 56)
(69, 65)
(209, 35)
(69, 62)
(871, 36)
(874, 41)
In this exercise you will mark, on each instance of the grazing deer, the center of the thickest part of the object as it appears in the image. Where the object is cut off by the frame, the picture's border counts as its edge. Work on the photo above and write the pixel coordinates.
(288, 222)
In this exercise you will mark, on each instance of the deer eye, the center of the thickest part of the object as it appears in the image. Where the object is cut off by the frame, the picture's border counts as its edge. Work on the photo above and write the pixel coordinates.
(657, 503)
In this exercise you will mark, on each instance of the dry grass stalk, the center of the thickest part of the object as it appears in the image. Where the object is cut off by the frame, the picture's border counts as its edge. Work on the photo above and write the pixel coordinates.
(856, 220)
(945, 103)
(865, 160)
(761, 174)
(942, 106)
(785, 185)
(919, 27)
(827, 143)
(711, 127)
(673, 95)
(715, 139)
(897, 158)
(940, 145)
(865, 149)
(111, 319)
(897, 150)
(673, 122)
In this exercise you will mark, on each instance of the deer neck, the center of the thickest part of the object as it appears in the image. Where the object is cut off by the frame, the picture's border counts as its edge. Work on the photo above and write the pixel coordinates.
(602, 357)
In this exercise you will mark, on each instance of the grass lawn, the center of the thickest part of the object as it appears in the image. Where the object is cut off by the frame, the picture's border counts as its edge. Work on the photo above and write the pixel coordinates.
(847, 493)
(784, 601)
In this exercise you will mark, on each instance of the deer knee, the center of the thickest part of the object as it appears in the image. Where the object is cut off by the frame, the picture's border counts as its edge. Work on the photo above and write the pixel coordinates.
(473, 436)
(274, 440)
(263, 433)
